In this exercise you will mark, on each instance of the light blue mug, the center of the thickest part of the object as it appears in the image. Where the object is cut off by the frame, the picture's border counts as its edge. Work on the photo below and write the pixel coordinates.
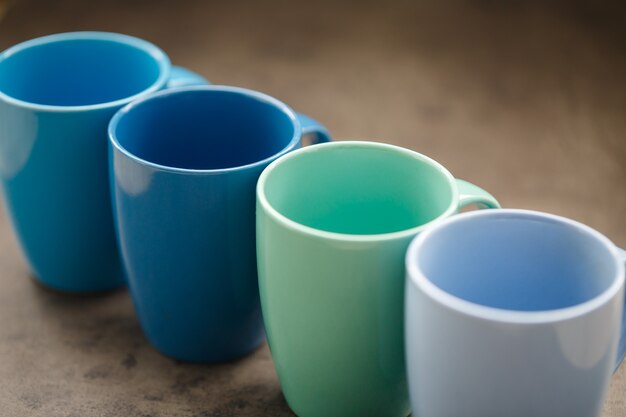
(512, 313)
(57, 95)
(184, 168)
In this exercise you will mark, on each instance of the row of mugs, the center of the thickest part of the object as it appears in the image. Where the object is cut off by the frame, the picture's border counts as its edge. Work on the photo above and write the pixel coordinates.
(206, 204)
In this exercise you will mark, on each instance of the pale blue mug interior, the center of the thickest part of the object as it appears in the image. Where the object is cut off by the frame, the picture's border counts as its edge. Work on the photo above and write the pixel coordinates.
(77, 72)
(204, 128)
(523, 262)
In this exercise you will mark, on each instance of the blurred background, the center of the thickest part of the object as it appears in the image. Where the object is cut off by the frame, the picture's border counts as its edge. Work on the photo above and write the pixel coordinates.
(526, 99)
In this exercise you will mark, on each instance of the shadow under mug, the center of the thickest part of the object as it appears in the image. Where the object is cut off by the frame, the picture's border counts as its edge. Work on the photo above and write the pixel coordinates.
(512, 312)
(184, 166)
(333, 224)
(57, 95)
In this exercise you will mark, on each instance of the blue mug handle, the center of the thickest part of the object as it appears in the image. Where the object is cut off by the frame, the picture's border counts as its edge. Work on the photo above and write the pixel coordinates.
(180, 77)
(621, 347)
(313, 128)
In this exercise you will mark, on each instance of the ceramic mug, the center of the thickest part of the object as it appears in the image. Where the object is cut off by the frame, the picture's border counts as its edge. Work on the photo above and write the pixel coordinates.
(333, 224)
(57, 95)
(512, 313)
(184, 166)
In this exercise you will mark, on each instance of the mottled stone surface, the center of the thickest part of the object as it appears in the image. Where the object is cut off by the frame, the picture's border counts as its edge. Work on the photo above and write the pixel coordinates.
(527, 100)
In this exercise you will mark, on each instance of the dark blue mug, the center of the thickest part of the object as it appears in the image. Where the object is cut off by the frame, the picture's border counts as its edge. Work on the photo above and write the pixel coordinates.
(57, 96)
(184, 165)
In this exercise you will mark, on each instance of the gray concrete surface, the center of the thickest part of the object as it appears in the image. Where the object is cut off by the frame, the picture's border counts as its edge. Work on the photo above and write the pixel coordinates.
(527, 99)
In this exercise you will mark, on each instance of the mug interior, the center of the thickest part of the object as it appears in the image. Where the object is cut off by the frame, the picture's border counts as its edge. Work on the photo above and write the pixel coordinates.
(204, 129)
(77, 72)
(522, 262)
(356, 188)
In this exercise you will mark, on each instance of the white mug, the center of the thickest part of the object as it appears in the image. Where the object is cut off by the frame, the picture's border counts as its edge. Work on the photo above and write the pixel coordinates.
(512, 313)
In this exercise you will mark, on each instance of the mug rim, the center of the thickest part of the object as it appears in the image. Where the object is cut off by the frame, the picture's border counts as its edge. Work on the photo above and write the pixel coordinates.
(255, 95)
(417, 278)
(312, 231)
(159, 56)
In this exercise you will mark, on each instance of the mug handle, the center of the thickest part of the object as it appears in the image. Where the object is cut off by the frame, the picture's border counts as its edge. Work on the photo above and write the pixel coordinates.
(181, 77)
(621, 347)
(311, 127)
(473, 194)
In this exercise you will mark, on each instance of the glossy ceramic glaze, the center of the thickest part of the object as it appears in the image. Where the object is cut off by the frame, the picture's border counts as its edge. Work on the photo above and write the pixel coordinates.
(57, 95)
(333, 224)
(184, 167)
(512, 313)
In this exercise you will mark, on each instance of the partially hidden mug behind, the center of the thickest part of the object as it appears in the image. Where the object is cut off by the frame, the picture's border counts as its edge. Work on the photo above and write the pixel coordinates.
(333, 224)
(57, 95)
(184, 166)
(512, 313)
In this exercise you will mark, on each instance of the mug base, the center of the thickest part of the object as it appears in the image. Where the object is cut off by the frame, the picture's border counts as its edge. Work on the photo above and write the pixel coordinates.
(341, 413)
(209, 358)
(86, 290)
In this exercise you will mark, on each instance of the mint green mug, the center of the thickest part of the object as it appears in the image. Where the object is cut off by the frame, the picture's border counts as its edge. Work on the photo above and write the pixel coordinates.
(333, 225)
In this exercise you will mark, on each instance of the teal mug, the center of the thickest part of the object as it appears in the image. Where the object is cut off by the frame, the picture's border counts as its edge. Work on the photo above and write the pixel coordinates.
(57, 95)
(333, 224)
